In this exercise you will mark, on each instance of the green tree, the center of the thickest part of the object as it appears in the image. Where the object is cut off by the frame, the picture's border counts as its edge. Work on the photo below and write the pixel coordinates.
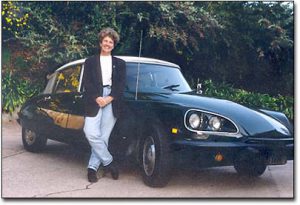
(255, 50)
(246, 44)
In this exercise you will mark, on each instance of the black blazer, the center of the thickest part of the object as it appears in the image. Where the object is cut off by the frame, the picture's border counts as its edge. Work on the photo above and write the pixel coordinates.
(93, 87)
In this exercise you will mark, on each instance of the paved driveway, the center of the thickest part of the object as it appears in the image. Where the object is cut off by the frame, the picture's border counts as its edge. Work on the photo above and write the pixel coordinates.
(60, 171)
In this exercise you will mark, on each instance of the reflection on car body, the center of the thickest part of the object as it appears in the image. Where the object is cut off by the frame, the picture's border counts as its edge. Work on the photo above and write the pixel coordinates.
(164, 122)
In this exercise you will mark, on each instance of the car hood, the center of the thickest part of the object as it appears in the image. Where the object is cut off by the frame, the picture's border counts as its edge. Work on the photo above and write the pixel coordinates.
(250, 122)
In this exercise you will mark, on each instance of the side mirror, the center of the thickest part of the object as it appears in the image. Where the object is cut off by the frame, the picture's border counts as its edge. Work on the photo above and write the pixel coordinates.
(199, 89)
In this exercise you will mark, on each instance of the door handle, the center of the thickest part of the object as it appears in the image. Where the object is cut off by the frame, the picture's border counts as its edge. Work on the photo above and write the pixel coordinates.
(47, 98)
(78, 96)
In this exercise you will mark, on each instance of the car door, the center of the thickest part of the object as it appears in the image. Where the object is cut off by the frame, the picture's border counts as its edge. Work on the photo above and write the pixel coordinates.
(61, 104)
(124, 135)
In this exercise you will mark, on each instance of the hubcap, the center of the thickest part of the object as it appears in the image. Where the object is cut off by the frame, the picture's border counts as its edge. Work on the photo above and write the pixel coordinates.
(30, 137)
(149, 156)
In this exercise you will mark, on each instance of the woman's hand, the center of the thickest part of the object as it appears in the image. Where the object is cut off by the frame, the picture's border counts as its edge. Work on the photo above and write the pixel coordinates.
(103, 101)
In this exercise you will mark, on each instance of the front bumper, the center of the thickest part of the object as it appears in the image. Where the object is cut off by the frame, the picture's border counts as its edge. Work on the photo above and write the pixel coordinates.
(211, 153)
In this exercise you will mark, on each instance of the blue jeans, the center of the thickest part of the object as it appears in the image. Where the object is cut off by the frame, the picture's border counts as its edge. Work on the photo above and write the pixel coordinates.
(97, 131)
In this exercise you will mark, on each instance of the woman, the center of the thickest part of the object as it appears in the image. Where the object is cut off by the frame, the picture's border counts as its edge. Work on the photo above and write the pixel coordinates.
(104, 83)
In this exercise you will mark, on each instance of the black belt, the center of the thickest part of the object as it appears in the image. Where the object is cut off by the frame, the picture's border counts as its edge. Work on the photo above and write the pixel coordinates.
(106, 86)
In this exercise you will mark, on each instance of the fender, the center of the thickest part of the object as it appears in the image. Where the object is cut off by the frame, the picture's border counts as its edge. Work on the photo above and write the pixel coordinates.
(281, 117)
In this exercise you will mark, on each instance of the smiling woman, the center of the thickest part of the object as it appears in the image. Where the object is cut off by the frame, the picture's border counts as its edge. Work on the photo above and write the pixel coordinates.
(104, 83)
(108, 38)
(107, 45)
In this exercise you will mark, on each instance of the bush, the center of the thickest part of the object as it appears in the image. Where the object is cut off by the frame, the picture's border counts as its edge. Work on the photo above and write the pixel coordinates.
(15, 92)
(280, 103)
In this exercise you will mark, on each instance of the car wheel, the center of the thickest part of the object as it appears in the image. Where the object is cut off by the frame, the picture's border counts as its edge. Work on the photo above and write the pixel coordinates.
(155, 159)
(250, 163)
(33, 141)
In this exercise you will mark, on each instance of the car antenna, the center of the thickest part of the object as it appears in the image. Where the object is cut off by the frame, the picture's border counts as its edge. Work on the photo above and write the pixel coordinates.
(139, 62)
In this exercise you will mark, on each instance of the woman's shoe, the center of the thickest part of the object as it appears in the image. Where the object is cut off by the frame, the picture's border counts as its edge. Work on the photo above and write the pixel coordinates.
(113, 169)
(92, 175)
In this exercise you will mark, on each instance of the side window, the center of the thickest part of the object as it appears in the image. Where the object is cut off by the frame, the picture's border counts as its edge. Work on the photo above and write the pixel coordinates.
(146, 78)
(131, 72)
(147, 82)
(68, 80)
(155, 79)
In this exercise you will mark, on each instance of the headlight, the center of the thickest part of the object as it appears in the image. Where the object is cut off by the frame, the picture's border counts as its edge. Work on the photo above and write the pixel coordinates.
(194, 120)
(208, 123)
(215, 123)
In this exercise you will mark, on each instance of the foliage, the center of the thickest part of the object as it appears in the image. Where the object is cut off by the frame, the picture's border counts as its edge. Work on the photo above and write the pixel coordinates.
(15, 92)
(255, 50)
(246, 44)
(250, 99)
(52, 41)
(13, 18)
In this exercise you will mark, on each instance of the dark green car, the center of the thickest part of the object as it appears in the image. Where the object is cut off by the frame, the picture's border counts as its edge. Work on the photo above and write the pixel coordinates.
(164, 123)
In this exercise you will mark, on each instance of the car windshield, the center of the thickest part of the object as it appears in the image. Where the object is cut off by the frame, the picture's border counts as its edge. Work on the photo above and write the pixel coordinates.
(155, 79)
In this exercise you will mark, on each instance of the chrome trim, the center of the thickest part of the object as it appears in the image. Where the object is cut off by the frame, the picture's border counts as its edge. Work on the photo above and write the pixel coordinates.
(30, 137)
(149, 155)
(225, 134)
(72, 63)
(81, 76)
(128, 59)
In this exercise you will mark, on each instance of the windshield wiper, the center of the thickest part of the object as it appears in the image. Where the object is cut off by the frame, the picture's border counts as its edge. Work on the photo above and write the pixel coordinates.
(171, 87)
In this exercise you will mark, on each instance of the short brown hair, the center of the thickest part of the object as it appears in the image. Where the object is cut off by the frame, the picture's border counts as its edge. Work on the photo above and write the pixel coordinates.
(108, 32)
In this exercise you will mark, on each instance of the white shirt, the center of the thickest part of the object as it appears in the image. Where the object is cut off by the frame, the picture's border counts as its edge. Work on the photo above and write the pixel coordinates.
(106, 69)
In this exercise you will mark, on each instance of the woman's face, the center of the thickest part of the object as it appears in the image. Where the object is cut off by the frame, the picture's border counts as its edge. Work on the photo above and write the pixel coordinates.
(107, 45)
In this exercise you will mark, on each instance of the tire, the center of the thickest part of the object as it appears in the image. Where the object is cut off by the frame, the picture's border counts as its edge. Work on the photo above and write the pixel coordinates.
(32, 141)
(250, 163)
(155, 158)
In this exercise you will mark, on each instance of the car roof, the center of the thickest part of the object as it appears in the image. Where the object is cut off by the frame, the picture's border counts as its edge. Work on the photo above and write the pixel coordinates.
(129, 59)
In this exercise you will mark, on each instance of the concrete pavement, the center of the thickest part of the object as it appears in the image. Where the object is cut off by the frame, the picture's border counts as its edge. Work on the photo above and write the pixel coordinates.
(60, 172)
